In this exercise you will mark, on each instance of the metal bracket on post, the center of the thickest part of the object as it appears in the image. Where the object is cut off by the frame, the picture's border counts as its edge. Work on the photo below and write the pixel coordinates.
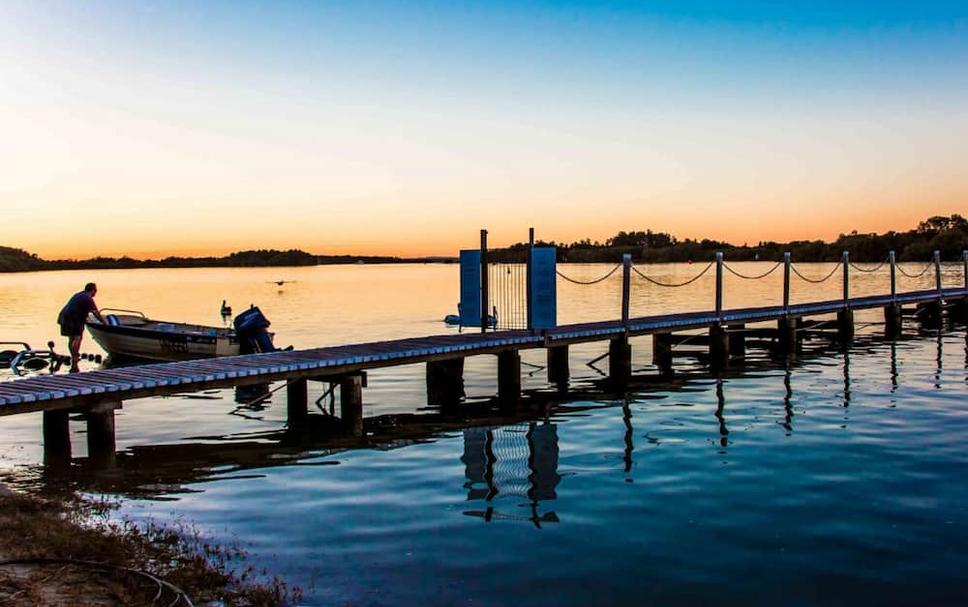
(719, 286)
(786, 282)
(626, 287)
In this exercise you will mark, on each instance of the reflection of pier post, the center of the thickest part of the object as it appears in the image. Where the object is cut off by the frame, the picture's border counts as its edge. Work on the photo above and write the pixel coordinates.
(720, 410)
(100, 434)
(787, 401)
(629, 436)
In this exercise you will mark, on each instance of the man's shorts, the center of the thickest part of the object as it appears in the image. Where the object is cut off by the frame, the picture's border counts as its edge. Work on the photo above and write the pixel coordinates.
(71, 331)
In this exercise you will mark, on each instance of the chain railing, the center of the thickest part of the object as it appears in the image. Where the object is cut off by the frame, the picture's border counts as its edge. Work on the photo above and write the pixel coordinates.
(793, 269)
(588, 282)
(843, 264)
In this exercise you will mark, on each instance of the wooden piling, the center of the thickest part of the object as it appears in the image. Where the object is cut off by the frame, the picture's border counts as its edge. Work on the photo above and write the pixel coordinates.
(297, 402)
(100, 435)
(558, 370)
(892, 320)
(619, 359)
(787, 339)
(351, 403)
(509, 376)
(445, 381)
(737, 340)
(718, 346)
(662, 352)
(57, 438)
(845, 325)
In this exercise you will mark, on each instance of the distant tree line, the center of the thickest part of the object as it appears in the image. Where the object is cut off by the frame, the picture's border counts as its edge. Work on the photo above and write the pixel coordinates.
(18, 260)
(949, 235)
(946, 234)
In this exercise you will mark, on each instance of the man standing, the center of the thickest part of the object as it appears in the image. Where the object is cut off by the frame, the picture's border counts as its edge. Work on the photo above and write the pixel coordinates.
(72, 317)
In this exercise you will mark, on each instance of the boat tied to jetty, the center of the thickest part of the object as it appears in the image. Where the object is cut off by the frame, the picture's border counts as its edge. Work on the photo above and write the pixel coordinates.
(130, 334)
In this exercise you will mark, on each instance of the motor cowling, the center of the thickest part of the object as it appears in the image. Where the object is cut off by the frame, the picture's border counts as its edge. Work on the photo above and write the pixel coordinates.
(251, 327)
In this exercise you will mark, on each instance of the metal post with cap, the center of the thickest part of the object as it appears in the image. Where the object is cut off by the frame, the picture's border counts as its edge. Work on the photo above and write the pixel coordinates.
(719, 285)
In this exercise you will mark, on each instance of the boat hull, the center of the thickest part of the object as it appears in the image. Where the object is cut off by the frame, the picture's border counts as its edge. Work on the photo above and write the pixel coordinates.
(148, 344)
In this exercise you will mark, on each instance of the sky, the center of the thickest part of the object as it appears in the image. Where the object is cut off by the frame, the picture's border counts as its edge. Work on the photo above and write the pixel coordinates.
(402, 128)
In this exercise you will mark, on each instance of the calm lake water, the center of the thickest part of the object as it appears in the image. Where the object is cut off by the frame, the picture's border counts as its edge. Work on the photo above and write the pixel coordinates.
(837, 478)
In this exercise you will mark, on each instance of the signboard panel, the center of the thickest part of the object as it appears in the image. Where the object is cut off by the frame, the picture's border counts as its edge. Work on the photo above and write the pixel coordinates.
(470, 288)
(543, 288)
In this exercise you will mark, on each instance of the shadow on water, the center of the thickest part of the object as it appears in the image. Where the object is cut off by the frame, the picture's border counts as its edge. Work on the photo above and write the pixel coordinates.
(505, 453)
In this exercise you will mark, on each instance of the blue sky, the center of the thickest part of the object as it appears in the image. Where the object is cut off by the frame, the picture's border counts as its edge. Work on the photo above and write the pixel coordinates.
(582, 118)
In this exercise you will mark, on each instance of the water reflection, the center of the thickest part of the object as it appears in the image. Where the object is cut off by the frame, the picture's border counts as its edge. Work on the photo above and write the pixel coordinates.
(787, 401)
(517, 461)
(720, 407)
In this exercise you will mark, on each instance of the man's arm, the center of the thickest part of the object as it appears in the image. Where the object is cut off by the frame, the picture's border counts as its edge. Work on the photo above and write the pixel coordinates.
(97, 312)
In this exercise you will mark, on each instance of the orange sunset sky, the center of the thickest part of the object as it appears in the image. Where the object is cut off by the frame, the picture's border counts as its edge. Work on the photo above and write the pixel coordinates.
(203, 129)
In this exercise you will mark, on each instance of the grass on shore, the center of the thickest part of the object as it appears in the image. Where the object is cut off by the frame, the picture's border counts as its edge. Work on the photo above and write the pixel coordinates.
(69, 552)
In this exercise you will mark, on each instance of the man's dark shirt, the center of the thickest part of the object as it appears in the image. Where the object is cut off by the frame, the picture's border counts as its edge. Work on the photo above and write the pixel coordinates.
(72, 316)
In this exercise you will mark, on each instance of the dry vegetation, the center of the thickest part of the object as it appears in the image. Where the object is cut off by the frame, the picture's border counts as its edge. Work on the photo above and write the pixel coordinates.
(68, 552)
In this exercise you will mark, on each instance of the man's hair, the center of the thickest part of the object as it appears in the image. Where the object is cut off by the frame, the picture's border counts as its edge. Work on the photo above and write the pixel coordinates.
(90, 287)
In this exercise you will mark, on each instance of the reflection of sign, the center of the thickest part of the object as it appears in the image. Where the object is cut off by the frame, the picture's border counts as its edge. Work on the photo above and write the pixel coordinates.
(512, 462)
(543, 295)
(470, 288)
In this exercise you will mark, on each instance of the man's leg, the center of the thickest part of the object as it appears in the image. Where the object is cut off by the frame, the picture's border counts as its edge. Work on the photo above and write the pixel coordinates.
(74, 345)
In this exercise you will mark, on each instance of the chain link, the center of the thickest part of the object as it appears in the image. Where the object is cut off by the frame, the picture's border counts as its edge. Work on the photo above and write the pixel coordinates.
(918, 275)
(812, 280)
(674, 285)
(588, 282)
(757, 277)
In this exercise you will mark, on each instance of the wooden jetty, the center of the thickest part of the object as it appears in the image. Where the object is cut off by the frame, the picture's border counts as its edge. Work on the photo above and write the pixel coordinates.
(97, 394)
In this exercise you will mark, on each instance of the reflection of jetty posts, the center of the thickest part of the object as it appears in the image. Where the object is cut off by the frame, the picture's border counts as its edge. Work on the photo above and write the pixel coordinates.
(97, 394)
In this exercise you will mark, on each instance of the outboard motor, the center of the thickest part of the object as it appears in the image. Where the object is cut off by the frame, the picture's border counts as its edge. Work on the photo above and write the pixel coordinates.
(250, 326)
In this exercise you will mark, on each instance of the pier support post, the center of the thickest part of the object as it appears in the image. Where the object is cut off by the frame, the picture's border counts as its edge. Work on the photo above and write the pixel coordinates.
(100, 435)
(445, 382)
(351, 403)
(787, 333)
(737, 340)
(297, 402)
(892, 320)
(929, 314)
(718, 347)
(509, 376)
(57, 438)
(619, 359)
(845, 325)
(662, 352)
(558, 370)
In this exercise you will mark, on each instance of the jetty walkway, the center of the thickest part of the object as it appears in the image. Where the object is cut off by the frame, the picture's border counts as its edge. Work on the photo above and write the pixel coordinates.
(97, 394)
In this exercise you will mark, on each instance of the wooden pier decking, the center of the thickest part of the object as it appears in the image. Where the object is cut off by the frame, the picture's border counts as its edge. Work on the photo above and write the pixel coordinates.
(80, 390)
